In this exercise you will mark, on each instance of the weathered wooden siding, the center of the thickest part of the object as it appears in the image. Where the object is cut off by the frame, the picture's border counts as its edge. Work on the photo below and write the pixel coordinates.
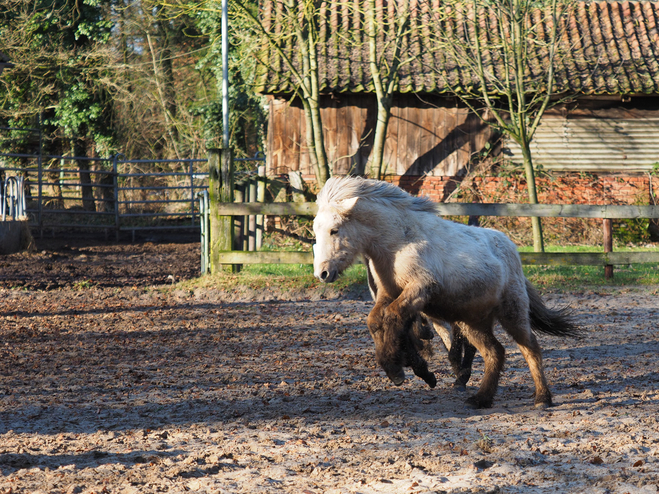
(434, 138)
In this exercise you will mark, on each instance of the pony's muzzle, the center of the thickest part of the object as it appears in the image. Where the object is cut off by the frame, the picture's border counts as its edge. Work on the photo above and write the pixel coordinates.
(327, 276)
(321, 271)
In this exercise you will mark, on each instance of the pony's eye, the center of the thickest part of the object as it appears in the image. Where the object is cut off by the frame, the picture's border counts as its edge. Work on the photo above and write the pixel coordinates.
(334, 231)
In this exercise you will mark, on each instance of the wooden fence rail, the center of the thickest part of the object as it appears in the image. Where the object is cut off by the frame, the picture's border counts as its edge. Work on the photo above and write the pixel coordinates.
(462, 209)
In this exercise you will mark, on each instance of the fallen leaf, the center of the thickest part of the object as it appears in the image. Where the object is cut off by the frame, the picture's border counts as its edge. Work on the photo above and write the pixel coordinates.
(638, 463)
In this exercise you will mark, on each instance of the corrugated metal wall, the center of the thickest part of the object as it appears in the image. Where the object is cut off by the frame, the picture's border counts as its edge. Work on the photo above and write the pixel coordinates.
(593, 144)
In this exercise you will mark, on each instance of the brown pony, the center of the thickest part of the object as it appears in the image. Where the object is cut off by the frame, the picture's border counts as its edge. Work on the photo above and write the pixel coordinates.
(460, 352)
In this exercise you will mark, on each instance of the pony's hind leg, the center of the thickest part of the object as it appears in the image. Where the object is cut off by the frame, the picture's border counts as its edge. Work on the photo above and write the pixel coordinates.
(481, 336)
(460, 352)
(516, 324)
(532, 353)
(463, 356)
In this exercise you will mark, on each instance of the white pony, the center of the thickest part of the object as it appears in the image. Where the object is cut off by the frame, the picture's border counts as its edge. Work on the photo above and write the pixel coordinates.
(446, 271)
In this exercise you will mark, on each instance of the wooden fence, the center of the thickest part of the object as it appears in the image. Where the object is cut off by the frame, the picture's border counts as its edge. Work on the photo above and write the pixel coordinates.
(604, 212)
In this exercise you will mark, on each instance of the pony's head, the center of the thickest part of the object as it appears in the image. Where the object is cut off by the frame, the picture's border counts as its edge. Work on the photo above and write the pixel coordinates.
(337, 242)
(352, 213)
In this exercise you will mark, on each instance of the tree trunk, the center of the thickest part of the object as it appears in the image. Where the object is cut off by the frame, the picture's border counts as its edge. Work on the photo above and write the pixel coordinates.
(536, 223)
(320, 170)
(323, 172)
(311, 94)
(105, 191)
(377, 154)
(80, 150)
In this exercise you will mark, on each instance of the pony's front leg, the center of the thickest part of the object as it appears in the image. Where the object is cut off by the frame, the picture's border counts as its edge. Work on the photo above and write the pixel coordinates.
(387, 352)
(396, 348)
(390, 323)
(410, 349)
(400, 314)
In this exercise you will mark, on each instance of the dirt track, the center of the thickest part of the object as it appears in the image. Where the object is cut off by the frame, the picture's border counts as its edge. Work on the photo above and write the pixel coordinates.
(120, 383)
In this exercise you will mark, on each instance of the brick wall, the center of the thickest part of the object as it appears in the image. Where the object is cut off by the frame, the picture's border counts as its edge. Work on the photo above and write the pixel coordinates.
(566, 189)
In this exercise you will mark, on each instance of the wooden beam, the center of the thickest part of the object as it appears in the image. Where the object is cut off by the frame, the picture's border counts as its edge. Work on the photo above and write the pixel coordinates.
(269, 208)
(220, 190)
(237, 257)
(587, 258)
(548, 210)
(528, 258)
(607, 227)
(464, 209)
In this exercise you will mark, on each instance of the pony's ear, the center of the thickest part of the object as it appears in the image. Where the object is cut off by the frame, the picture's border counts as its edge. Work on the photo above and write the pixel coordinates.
(346, 206)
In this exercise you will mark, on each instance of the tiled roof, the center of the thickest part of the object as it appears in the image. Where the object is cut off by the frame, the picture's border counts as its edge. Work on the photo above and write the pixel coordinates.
(607, 47)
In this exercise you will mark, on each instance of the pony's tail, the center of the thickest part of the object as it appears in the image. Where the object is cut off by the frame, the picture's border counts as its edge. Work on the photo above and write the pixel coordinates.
(555, 322)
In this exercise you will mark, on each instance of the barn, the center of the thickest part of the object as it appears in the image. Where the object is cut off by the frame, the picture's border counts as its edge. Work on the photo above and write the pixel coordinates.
(599, 146)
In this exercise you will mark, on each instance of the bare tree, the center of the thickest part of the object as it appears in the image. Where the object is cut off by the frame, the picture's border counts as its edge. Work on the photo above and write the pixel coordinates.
(161, 81)
(386, 26)
(293, 36)
(502, 55)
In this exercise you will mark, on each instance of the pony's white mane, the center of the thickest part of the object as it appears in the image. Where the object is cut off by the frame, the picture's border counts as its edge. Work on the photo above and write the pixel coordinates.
(338, 189)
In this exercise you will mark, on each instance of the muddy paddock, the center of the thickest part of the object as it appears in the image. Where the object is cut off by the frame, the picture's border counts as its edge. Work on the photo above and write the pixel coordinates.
(113, 379)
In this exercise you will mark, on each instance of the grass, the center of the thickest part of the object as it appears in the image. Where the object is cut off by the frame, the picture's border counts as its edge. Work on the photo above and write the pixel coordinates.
(570, 278)
(289, 277)
(282, 277)
(564, 278)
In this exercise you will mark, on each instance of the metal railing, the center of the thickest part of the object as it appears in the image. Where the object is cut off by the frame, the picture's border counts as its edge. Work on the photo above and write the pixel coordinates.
(158, 200)
(204, 211)
(111, 194)
(12, 199)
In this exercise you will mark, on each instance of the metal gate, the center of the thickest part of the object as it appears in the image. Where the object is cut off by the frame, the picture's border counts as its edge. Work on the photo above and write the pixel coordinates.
(112, 195)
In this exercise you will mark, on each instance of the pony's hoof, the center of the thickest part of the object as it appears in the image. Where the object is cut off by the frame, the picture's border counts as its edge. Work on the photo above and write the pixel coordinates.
(463, 377)
(543, 402)
(457, 385)
(430, 380)
(478, 402)
(398, 378)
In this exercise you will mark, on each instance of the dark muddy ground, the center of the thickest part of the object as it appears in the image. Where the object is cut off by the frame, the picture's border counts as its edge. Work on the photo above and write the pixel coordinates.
(75, 260)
